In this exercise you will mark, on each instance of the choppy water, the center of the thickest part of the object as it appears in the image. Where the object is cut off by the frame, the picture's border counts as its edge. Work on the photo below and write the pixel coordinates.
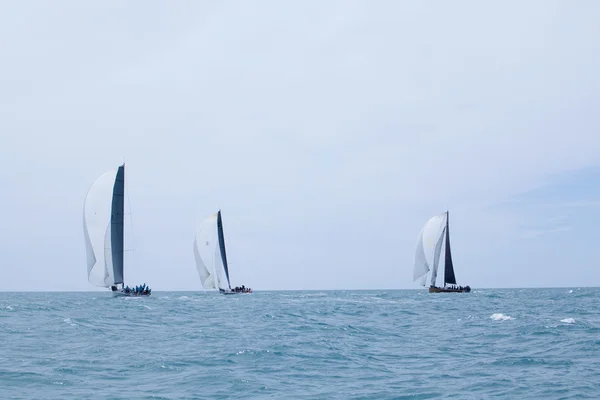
(530, 343)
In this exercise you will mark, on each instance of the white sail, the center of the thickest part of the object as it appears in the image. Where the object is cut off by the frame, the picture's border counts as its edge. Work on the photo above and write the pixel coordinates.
(207, 253)
(201, 267)
(220, 275)
(423, 280)
(436, 256)
(96, 229)
(421, 266)
(428, 248)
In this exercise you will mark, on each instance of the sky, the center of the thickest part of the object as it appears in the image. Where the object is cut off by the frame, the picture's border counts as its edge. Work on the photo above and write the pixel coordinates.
(327, 132)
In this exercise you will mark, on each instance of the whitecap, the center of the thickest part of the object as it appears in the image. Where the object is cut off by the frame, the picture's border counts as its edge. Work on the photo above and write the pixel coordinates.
(571, 291)
(568, 320)
(68, 321)
(9, 308)
(500, 317)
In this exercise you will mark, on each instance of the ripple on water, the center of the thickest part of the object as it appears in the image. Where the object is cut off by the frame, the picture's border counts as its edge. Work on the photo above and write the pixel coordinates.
(341, 344)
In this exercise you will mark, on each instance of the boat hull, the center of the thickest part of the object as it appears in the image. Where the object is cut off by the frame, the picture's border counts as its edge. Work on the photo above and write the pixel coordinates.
(234, 292)
(124, 294)
(466, 289)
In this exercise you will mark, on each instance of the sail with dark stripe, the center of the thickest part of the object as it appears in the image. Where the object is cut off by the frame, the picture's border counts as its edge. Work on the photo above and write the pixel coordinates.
(448, 266)
(428, 256)
(429, 248)
(117, 225)
(222, 247)
(209, 253)
(103, 228)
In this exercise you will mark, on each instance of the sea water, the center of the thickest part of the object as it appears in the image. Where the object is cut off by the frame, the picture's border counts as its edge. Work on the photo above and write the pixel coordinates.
(393, 344)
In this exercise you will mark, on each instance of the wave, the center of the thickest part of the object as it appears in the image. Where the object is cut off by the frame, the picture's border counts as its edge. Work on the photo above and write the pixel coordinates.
(500, 317)
(275, 346)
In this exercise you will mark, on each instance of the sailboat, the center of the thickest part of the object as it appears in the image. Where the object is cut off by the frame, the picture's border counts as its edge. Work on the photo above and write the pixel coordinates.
(104, 233)
(427, 256)
(211, 256)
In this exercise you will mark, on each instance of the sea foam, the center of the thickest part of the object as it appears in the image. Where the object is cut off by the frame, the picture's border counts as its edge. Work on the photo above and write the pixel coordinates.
(500, 317)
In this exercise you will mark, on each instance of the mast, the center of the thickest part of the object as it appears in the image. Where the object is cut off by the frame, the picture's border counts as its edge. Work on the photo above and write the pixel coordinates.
(222, 246)
(117, 225)
(448, 267)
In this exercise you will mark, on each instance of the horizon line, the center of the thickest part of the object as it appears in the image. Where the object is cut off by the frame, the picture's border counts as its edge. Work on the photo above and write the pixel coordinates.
(298, 290)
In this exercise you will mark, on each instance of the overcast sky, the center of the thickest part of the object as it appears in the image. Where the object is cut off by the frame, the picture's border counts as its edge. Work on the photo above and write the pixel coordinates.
(328, 132)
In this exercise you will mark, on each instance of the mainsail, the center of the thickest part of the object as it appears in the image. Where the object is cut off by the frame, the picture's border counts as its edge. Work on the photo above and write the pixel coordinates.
(103, 228)
(209, 253)
(448, 266)
(222, 247)
(429, 247)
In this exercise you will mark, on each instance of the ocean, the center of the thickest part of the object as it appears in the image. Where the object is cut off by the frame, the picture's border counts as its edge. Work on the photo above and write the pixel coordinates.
(391, 344)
